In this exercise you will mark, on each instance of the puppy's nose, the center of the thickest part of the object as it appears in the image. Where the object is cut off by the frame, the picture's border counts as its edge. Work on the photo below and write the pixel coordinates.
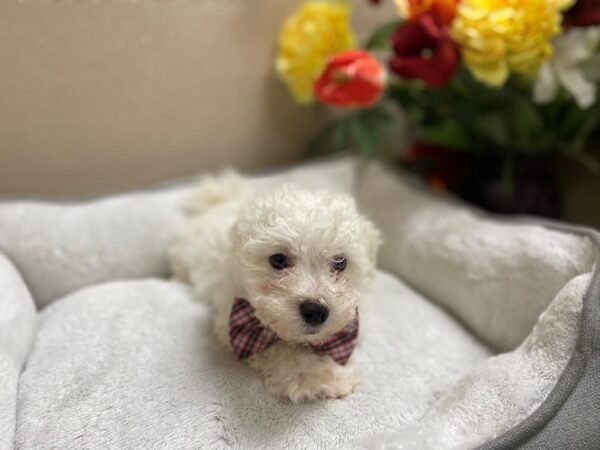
(313, 312)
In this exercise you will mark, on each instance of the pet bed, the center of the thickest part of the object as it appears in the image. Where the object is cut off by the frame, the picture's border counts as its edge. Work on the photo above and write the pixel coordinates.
(477, 331)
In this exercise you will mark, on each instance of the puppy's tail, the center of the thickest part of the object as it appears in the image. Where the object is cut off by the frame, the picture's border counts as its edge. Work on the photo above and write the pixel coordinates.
(198, 253)
(214, 190)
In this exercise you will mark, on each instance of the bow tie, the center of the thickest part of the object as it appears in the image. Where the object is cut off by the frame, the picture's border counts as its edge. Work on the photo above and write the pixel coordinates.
(249, 336)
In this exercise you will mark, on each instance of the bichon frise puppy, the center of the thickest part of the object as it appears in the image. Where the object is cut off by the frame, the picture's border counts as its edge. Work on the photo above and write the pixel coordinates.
(284, 273)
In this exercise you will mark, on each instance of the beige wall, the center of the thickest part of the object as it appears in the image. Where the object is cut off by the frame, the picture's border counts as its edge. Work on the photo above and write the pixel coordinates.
(97, 96)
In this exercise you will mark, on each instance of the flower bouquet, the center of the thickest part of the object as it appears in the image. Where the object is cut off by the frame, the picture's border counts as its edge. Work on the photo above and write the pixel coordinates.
(492, 91)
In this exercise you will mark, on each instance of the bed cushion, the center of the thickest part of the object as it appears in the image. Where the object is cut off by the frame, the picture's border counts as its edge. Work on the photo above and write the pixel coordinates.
(60, 247)
(17, 327)
(503, 391)
(497, 275)
(134, 364)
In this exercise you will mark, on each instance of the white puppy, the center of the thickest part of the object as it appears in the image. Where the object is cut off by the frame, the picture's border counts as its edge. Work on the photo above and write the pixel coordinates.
(284, 273)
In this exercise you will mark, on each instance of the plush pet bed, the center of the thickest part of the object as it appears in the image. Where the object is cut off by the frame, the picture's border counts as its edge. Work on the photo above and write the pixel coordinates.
(477, 331)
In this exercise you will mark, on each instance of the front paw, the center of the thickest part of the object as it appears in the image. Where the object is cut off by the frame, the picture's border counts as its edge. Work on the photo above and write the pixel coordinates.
(326, 379)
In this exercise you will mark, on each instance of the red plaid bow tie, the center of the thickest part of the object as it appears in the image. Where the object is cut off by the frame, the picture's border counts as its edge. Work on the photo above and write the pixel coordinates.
(249, 336)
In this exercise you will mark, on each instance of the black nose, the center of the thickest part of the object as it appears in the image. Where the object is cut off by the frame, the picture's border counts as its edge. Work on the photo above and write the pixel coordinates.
(313, 312)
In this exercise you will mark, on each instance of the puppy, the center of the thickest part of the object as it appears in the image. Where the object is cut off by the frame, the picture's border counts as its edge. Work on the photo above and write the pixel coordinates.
(284, 273)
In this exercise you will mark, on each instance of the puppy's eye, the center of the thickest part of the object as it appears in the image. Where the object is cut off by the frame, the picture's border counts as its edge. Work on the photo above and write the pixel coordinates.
(279, 261)
(339, 264)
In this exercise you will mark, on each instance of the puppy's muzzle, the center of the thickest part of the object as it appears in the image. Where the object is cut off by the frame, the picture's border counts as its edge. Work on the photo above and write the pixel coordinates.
(313, 312)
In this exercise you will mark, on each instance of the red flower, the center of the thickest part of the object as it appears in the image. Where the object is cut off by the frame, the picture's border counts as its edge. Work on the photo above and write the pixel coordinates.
(585, 13)
(351, 78)
(443, 11)
(425, 51)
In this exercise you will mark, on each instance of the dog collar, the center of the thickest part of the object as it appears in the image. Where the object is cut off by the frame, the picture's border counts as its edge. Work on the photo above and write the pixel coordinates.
(248, 336)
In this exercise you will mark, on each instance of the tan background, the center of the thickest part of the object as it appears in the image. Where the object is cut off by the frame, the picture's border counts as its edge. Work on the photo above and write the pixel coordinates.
(98, 96)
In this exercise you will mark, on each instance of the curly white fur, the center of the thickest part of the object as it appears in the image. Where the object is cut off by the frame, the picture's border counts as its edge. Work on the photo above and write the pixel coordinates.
(224, 252)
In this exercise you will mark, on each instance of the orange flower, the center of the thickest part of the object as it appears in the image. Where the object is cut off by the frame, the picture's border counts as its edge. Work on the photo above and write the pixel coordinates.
(351, 78)
(443, 11)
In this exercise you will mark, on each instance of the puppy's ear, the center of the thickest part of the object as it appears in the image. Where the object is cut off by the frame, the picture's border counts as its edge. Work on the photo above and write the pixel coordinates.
(372, 239)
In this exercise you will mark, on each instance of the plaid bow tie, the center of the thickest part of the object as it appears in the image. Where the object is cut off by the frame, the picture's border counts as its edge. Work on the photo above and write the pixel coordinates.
(249, 336)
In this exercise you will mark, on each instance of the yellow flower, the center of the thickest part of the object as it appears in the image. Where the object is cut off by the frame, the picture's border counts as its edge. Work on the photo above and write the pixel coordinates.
(316, 31)
(499, 37)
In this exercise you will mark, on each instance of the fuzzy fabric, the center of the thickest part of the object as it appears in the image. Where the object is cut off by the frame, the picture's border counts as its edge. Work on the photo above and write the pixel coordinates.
(17, 326)
(62, 247)
(502, 391)
(496, 276)
(134, 364)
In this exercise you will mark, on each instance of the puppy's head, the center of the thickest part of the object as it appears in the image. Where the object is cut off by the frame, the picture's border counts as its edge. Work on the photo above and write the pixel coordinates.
(303, 259)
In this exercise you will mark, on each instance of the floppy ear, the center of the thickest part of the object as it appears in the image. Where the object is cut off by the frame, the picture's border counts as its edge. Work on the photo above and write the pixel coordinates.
(372, 239)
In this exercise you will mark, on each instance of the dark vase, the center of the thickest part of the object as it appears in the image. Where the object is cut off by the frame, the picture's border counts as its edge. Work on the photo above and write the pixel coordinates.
(522, 184)
(531, 187)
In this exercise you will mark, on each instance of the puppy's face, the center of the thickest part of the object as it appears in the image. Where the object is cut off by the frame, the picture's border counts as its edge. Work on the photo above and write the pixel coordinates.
(303, 260)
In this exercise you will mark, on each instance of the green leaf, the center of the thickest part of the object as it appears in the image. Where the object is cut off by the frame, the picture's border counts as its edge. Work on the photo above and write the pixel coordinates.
(378, 115)
(363, 137)
(380, 39)
(527, 121)
(492, 127)
(336, 133)
(341, 137)
(571, 121)
(448, 134)
(318, 141)
(375, 120)
(576, 147)
(590, 124)
(361, 130)
(416, 114)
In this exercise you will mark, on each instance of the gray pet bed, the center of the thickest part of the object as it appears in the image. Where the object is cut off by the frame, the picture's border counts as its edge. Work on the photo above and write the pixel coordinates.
(477, 331)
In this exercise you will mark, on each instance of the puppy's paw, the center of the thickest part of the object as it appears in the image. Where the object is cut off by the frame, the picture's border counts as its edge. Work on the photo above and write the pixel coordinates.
(326, 379)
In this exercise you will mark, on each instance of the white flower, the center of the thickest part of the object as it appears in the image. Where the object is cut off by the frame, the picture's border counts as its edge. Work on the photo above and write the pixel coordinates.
(575, 65)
